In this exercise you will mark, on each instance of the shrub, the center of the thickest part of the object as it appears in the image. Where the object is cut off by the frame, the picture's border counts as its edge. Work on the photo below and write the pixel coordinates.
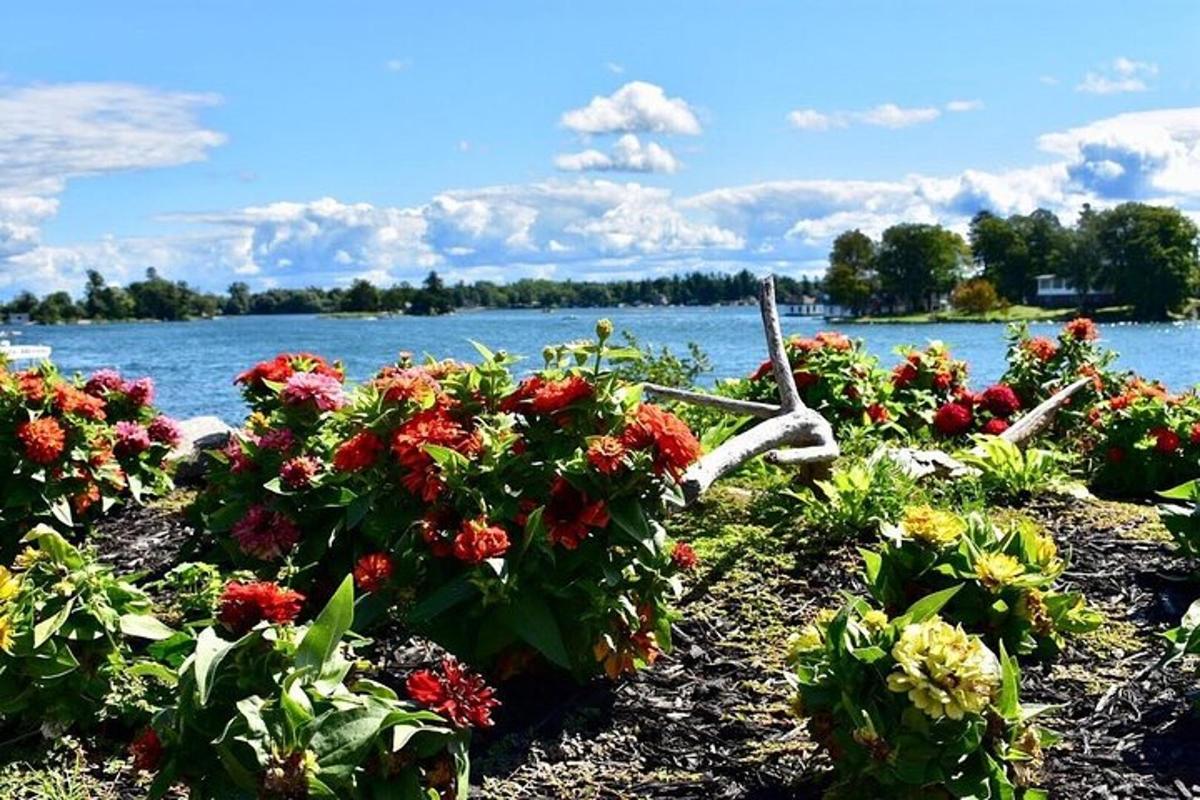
(913, 707)
(1039, 366)
(1007, 578)
(69, 450)
(68, 639)
(663, 366)
(275, 712)
(496, 515)
(834, 374)
(1183, 521)
(976, 296)
(1143, 439)
(857, 498)
(1009, 473)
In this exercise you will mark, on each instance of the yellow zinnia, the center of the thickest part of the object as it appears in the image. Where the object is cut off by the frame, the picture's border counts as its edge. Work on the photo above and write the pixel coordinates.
(6, 634)
(944, 672)
(932, 526)
(997, 570)
(9, 584)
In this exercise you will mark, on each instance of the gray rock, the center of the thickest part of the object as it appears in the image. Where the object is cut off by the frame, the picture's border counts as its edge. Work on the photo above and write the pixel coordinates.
(920, 464)
(199, 434)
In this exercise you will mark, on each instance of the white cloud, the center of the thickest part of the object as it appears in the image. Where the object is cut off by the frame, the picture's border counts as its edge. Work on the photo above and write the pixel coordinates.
(637, 107)
(628, 155)
(614, 67)
(1049, 80)
(885, 115)
(964, 105)
(1124, 75)
(397, 64)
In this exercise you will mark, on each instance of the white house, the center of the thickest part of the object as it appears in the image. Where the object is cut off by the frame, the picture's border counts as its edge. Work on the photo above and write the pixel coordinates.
(1055, 291)
(19, 318)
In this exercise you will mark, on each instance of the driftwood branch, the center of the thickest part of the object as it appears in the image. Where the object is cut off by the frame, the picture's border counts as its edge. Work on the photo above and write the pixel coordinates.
(1030, 425)
(790, 424)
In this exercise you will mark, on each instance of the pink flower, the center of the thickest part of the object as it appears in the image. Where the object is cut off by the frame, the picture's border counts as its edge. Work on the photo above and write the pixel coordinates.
(132, 438)
(280, 439)
(265, 534)
(139, 392)
(298, 472)
(103, 381)
(310, 388)
(236, 454)
(165, 430)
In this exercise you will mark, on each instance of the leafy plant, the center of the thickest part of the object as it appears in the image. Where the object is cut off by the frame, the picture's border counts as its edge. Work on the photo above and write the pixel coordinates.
(1039, 366)
(502, 518)
(71, 449)
(912, 707)
(69, 639)
(663, 366)
(1007, 578)
(1006, 471)
(857, 498)
(276, 712)
(1183, 521)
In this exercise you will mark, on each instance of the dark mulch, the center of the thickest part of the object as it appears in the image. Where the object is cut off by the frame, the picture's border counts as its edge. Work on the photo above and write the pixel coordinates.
(148, 540)
(711, 720)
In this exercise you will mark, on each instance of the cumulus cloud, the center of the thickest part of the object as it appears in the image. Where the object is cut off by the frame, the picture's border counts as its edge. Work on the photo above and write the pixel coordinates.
(628, 155)
(637, 107)
(964, 105)
(884, 115)
(1123, 75)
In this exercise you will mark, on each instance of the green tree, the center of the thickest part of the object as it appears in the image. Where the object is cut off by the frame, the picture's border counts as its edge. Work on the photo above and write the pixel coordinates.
(1001, 253)
(56, 307)
(238, 299)
(916, 261)
(1084, 264)
(1149, 257)
(851, 280)
(362, 296)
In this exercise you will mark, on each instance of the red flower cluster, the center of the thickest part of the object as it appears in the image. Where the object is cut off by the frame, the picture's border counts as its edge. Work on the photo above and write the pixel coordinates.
(878, 414)
(432, 426)
(357, 453)
(477, 541)
(265, 534)
(244, 605)
(1081, 329)
(683, 555)
(995, 426)
(456, 693)
(43, 438)
(539, 395)
(284, 366)
(1166, 441)
(1000, 400)
(606, 454)
(146, 751)
(298, 472)
(33, 386)
(373, 571)
(953, 419)
(1040, 348)
(69, 400)
(674, 445)
(570, 515)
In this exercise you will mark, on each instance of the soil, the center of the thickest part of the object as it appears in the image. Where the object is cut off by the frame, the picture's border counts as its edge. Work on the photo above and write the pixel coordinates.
(712, 720)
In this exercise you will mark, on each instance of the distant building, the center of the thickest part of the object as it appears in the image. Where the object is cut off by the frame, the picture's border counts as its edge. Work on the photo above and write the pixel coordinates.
(18, 318)
(1055, 291)
(810, 306)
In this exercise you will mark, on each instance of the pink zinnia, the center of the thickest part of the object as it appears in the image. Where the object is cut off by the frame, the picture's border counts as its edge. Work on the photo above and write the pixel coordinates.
(103, 381)
(321, 391)
(265, 534)
(165, 430)
(132, 438)
(298, 472)
(280, 439)
(140, 392)
(236, 454)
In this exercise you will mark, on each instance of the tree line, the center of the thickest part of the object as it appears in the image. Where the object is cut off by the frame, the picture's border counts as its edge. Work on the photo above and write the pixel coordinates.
(1144, 255)
(158, 298)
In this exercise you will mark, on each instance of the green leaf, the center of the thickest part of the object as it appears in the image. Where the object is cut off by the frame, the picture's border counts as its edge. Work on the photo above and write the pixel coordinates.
(448, 596)
(343, 735)
(50, 626)
(145, 626)
(211, 649)
(1009, 704)
(321, 640)
(1184, 491)
(629, 517)
(930, 605)
(532, 620)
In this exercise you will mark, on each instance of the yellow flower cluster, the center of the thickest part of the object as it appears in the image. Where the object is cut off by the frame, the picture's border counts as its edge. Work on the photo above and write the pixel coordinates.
(9, 585)
(932, 526)
(997, 570)
(944, 672)
(1045, 555)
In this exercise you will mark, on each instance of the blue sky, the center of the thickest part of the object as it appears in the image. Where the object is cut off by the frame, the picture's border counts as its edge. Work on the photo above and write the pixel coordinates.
(297, 143)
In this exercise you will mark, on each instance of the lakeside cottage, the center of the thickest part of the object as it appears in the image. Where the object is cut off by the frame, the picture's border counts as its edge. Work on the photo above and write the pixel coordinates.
(1055, 291)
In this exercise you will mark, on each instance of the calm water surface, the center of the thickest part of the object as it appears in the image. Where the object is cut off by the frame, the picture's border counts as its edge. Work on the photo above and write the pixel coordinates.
(194, 363)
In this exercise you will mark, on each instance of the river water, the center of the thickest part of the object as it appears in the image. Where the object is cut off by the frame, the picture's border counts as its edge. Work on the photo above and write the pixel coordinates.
(194, 363)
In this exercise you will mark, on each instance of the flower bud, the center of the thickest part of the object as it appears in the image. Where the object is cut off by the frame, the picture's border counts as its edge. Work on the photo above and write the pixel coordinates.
(604, 329)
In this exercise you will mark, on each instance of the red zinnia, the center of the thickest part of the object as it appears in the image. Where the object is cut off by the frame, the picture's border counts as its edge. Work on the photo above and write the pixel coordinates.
(878, 414)
(942, 381)
(146, 750)
(1081, 329)
(1115, 455)
(606, 454)
(358, 452)
(1040, 348)
(264, 534)
(684, 556)
(33, 386)
(456, 693)
(952, 419)
(548, 397)
(69, 400)
(298, 472)
(764, 369)
(44, 439)
(477, 541)
(1001, 400)
(373, 571)
(834, 340)
(1195, 436)
(995, 427)
(432, 426)
(903, 375)
(1166, 441)
(675, 447)
(569, 514)
(244, 605)
(804, 379)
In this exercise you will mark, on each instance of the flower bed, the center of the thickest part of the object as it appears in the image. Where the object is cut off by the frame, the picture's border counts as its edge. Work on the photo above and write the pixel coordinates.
(500, 517)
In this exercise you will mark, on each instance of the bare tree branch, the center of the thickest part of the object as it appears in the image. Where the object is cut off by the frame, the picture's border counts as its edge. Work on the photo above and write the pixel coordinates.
(747, 407)
(1030, 425)
(789, 395)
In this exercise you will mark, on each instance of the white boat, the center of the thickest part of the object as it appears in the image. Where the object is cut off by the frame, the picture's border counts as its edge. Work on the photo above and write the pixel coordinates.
(23, 352)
